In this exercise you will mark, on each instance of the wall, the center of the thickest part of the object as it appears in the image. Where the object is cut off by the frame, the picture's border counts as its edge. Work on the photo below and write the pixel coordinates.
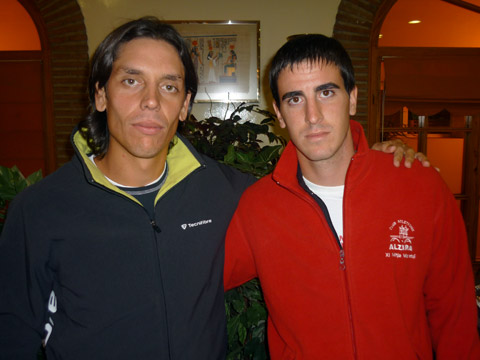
(278, 19)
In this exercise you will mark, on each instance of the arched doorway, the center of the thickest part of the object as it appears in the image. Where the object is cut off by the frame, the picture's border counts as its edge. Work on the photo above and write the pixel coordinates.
(25, 142)
(64, 67)
(358, 27)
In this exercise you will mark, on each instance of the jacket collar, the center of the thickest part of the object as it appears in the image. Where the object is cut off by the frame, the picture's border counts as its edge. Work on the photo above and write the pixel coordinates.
(182, 160)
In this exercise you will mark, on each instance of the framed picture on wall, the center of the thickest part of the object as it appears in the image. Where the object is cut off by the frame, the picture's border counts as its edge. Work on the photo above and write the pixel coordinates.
(226, 57)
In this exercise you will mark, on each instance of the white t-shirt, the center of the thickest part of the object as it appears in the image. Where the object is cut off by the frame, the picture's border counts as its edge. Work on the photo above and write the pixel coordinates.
(332, 196)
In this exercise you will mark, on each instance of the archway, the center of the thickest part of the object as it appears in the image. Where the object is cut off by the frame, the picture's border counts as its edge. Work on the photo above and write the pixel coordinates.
(63, 37)
(21, 103)
(354, 28)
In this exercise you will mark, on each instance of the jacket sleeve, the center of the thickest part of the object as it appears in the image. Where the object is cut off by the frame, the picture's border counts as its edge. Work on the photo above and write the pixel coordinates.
(449, 287)
(239, 261)
(23, 294)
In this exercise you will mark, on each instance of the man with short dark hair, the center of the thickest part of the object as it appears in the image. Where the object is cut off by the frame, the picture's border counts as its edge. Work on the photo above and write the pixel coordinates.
(357, 259)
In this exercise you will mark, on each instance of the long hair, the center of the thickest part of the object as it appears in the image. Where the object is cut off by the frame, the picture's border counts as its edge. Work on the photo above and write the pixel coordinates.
(311, 48)
(95, 128)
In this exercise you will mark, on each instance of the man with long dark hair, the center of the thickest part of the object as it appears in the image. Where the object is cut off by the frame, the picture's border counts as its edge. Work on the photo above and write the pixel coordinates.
(119, 254)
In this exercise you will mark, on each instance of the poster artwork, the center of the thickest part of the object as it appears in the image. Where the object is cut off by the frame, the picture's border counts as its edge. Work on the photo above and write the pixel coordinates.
(225, 57)
(215, 58)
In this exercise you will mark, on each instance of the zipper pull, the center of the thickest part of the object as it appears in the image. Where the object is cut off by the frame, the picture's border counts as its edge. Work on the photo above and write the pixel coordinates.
(342, 259)
(155, 226)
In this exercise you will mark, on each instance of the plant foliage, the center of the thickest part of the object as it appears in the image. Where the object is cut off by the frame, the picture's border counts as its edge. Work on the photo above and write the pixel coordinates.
(237, 141)
(12, 182)
(246, 322)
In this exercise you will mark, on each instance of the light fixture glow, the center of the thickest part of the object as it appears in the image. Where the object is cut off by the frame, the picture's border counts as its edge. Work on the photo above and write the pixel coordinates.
(414, 22)
(380, 36)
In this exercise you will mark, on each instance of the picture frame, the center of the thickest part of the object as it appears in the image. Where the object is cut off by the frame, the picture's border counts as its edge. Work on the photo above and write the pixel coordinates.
(226, 56)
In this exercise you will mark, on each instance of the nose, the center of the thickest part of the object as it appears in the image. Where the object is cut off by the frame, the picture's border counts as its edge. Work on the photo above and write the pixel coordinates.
(150, 98)
(313, 112)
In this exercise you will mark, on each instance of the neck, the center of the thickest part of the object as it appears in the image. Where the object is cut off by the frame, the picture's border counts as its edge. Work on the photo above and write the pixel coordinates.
(131, 172)
(325, 175)
(331, 171)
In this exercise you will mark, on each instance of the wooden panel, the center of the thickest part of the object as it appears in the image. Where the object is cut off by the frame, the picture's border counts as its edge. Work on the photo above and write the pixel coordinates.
(446, 78)
(21, 81)
(27, 116)
(21, 115)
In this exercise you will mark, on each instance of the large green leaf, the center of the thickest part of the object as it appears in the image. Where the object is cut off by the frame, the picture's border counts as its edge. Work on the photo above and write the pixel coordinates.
(269, 153)
(230, 157)
(34, 177)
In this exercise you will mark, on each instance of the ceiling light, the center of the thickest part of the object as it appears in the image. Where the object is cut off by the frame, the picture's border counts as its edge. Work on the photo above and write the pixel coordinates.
(414, 22)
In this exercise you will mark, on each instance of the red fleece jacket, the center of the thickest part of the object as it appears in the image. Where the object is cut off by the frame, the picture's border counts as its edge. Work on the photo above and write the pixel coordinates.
(401, 286)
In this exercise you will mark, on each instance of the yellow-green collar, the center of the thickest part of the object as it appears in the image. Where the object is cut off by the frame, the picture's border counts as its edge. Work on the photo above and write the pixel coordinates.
(181, 162)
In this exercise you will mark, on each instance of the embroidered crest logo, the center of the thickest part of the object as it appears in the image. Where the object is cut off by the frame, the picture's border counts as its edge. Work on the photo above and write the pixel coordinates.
(400, 244)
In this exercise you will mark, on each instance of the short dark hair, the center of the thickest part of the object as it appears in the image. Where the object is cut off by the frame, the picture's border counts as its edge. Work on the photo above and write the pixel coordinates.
(311, 48)
(94, 128)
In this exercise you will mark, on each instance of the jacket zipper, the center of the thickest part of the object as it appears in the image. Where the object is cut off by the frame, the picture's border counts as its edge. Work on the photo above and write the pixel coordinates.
(155, 227)
(343, 267)
(157, 230)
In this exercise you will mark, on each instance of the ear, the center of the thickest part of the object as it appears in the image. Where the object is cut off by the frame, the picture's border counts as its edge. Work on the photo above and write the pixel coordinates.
(353, 101)
(184, 111)
(100, 98)
(282, 123)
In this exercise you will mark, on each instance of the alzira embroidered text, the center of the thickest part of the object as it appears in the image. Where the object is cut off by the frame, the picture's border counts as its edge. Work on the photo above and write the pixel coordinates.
(400, 244)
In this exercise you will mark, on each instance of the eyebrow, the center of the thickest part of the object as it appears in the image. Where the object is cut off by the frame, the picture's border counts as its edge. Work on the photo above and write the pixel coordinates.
(326, 86)
(172, 77)
(291, 94)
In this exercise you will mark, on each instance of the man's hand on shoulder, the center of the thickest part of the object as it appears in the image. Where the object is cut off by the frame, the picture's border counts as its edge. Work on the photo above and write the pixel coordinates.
(401, 150)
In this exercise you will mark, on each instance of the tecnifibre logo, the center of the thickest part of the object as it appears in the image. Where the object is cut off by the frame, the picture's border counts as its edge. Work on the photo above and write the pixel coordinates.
(195, 224)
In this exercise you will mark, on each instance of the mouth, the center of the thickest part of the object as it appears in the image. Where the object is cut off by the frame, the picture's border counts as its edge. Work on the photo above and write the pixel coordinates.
(148, 127)
(317, 135)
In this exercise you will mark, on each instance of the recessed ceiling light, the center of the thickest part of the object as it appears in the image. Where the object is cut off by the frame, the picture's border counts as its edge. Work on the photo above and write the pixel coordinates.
(414, 22)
